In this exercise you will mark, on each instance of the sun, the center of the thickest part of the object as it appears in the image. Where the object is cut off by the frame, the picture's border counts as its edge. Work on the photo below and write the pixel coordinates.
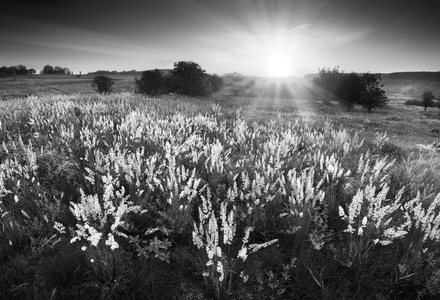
(279, 65)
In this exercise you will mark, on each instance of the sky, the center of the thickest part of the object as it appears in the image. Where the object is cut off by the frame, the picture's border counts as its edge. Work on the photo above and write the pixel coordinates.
(259, 38)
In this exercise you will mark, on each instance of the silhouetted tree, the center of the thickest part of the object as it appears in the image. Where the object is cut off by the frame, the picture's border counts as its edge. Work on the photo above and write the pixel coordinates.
(152, 83)
(32, 71)
(372, 94)
(188, 78)
(47, 69)
(428, 99)
(4, 72)
(349, 89)
(328, 79)
(21, 70)
(346, 88)
(103, 84)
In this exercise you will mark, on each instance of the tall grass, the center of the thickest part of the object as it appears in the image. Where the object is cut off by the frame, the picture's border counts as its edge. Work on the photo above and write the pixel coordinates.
(177, 195)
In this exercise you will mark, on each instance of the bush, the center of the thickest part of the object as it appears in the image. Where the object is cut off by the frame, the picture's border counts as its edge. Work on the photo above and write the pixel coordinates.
(189, 79)
(414, 102)
(103, 84)
(152, 83)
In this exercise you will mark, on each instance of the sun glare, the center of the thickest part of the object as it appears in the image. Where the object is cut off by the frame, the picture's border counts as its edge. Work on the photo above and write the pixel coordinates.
(279, 65)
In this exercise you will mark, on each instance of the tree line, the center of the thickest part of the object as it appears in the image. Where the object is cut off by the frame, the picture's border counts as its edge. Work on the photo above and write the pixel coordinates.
(187, 78)
(48, 69)
(352, 89)
(13, 71)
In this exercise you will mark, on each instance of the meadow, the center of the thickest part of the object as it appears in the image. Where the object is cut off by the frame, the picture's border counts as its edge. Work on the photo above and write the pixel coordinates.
(122, 196)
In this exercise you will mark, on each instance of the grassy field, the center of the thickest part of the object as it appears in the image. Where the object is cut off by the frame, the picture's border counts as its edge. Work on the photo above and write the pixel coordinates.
(239, 196)
(41, 85)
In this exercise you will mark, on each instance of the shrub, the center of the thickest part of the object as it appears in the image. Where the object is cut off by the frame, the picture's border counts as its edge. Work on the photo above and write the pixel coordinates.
(103, 84)
(152, 83)
(189, 79)
(414, 102)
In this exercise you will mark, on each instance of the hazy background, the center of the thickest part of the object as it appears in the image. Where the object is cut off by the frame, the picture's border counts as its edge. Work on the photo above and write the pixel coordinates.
(222, 36)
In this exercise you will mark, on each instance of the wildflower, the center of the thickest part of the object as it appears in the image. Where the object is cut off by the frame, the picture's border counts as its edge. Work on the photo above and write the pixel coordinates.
(341, 212)
(220, 270)
(244, 277)
(111, 242)
(83, 248)
(364, 222)
(59, 227)
(242, 254)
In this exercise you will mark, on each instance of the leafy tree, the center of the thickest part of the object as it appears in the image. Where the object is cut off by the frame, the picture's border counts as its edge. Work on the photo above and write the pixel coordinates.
(188, 78)
(103, 84)
(21, 70)
(372, 94)
(216, 82)
(328, 79)
(349, 89)
(346, 88)
(32, 72)
(47, 69)
(4, 72)
(428, 99)
(152, 83)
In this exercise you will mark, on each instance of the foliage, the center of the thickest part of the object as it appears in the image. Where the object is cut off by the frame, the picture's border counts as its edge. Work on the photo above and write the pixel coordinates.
(189, 79)
(139, 199)
(351, 89)
(372, 95)
(48, 69)
(15, 70)
(103, 84)
(152, 83)
(328, 79)
(428, 99)
(414, 102)
(216, 82)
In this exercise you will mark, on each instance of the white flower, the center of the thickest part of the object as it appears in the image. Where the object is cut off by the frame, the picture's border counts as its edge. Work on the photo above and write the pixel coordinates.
(220, 270)
(242, 254)
(59, 227)
(83, 248)
(111, 242)
(341, 212)
(364, 222)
